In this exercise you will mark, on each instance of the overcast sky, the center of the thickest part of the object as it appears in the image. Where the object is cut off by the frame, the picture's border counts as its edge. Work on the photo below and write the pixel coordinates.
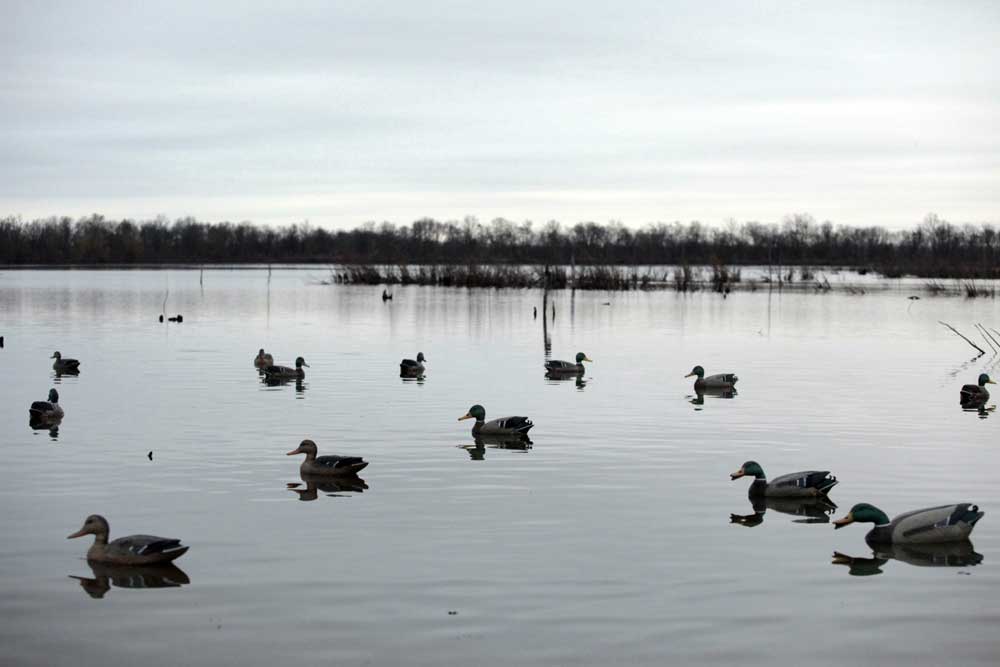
(343, 112)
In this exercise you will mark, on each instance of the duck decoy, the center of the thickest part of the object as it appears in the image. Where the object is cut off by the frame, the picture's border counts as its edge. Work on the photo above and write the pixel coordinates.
(326, 465)
(501, 426)
(278, 372)
(46, 410)
(131, 550)
(179, 318)
(1, 341)
(263, 360)
(946, 523)
(557, 366)
(975, 394)
(411, 367)
(61, 365)
(719, 381)
(161, 317)
(386, 296)
(806, 483)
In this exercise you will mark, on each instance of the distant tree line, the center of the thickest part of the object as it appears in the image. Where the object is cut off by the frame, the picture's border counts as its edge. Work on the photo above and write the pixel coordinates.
(933, 248)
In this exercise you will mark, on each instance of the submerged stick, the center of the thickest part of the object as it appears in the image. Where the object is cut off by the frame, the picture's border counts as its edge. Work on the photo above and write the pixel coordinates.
(983, 334)
(959, 334)
(990, 335)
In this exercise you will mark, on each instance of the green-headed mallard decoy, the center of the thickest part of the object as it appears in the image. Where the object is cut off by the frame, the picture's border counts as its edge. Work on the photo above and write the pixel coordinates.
(502, 426)
(131, 550)
(806, 483)
(49, 409)
(557, 366)
(720, 381)
(61, 365)
(947, 523)
(263, 360)
(278, 372)
(411, 366)
(326, 465)
(974, 394)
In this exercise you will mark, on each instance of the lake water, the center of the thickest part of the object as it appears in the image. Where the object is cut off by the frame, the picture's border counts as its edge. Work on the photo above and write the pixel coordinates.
(608, 541)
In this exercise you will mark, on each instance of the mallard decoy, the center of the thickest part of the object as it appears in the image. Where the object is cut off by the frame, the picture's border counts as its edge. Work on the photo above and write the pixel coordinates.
(179, 318)
(807, 483)
(61, 365)
(286, 372)
(131, 550)
(410, 367)
(386, 296)
(47, 410)
(947, 523)
(974, 394)
(557, 366)
(326, 465)
(502, 426)
(720, 381)
(263, 360)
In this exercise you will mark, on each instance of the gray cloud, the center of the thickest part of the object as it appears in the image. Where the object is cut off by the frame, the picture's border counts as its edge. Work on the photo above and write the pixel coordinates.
(344, 112)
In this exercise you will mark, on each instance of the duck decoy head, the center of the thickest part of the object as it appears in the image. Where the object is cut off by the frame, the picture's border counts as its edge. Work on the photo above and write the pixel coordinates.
(53, 395)
(476, 412)
(863, 513)
(260, 352)
(307, 447)
(984, 379)
(95, 524)
(751, 468)
(420, 357)
(300, 362)
(581, 357)
(56, 355)
(697, 370)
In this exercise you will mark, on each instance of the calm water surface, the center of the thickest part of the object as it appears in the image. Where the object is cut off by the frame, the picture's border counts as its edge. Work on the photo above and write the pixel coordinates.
(609, 541)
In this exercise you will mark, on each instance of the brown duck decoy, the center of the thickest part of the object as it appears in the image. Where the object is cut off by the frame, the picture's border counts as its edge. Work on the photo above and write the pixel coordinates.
(263, 360)
(131, 550)
(326, 465)
(61, 365)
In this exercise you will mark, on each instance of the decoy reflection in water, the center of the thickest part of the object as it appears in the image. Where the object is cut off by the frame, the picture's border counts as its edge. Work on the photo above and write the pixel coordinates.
(948, 554)
(106, 575)
(286, 373)
(332, 486)
(263, 360)
(797, 484)
(46, 412)
(945, 523)
(131, 550)
(558, 367)
(64, 366)
(326, 465)
(52, 426)
(477, 451)
(719, 381)
(507, 426)
(811, 510)
(700, 394)
(975, 395)
(412, 367)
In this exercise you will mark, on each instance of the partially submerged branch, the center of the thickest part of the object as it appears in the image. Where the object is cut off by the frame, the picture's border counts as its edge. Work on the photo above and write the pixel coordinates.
(959, 334)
